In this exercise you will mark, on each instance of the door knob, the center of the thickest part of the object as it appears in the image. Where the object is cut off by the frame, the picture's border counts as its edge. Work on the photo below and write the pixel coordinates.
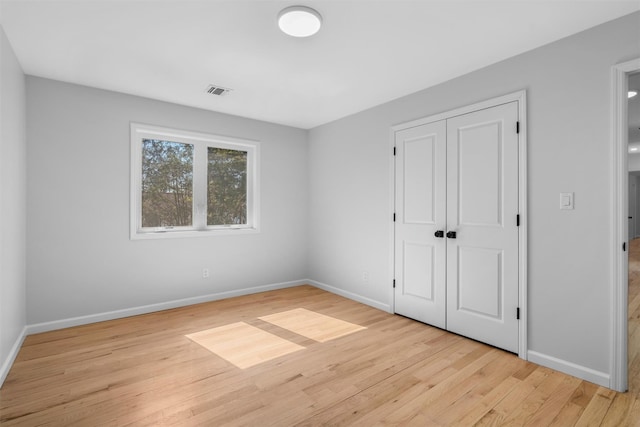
(451, 234)
(439, 233)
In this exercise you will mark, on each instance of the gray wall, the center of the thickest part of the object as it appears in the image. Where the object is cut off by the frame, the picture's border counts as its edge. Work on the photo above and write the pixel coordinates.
(568, 89)
(80, 259)
(12, 204)
(634, 162)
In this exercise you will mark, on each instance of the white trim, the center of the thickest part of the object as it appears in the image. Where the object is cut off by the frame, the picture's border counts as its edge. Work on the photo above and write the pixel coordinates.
(582, 372)
(392, 228)
(524, 225)
(11, 357)
(180, 234)
(350, 295)
(134, 311)
(521, 98)
(200, 142)
(618, 228)
(493, 102)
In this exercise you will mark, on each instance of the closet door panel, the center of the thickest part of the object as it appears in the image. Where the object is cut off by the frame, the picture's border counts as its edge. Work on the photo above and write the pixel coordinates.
(420, 187)
(482, 204)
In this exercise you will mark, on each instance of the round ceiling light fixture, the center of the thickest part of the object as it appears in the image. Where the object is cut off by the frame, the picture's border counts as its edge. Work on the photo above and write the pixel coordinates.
(632, 93)
(299, 21)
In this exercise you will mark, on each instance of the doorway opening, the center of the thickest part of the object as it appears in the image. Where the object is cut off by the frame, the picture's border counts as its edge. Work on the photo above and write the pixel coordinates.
(622, 227)
(633, 295)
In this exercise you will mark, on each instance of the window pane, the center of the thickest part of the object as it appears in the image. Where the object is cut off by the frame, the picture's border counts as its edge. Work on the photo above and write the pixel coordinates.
(226, 187)
(167, 183)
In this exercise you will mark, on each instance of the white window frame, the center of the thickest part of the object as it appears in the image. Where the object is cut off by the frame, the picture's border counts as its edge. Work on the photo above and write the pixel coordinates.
(201, 142)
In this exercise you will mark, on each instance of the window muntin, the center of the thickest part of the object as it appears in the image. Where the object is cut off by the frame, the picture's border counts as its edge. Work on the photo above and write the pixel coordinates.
(191, 184)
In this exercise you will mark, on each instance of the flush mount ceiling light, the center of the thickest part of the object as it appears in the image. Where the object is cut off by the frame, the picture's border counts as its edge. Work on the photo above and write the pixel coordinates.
(299, 21)
(632, 93)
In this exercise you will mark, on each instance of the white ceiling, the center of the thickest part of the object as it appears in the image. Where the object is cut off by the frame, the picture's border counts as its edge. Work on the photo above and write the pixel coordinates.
(367, 52)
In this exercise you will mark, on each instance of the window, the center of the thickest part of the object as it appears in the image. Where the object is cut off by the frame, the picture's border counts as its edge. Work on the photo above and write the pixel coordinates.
(191, 184)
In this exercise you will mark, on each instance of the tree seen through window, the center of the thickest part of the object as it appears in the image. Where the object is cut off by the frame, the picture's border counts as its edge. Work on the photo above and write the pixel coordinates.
(226, 186)
(167, 183)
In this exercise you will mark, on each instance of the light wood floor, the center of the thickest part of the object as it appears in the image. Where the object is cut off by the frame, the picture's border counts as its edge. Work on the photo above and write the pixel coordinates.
(144, 371)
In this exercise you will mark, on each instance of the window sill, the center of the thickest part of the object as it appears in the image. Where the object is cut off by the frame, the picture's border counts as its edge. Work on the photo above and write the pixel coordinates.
(181, 234)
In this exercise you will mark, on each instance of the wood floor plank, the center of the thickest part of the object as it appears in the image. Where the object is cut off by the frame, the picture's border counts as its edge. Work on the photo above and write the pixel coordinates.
(567, 415)
(145, 371)
(412, 407)
(243, 345)
(515, 399)
(392, 391)
(484, 405)
(597, 408)
(555, 403)
(467, 393)
(312, 325)
(524, 414)
(620, 412)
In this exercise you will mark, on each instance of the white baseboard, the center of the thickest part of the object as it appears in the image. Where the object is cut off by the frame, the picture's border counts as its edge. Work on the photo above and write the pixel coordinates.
(582, 372)
(591, 375)
(364, 300)
(11, 357)
(133, 311)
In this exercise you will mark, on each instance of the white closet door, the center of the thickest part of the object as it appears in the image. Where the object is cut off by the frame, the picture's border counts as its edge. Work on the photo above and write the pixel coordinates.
(420, 208)
(482, 204)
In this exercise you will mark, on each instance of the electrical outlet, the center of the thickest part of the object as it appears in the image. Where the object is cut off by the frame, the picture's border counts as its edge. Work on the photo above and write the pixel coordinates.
(205, 273)
(365, 276)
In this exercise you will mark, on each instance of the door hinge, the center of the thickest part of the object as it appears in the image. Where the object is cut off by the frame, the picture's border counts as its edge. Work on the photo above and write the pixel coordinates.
(394, 217)
(394, 151)
(394, 283)
(518, 313)
(624, 246)
(518, 220)
(517, 127)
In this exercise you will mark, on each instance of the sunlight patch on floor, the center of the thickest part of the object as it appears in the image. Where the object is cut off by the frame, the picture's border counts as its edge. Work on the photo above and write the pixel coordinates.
(315, 326)
(243, 345)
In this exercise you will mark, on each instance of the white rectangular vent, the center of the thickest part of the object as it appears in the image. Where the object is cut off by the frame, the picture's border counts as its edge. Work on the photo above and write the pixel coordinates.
(217, 90)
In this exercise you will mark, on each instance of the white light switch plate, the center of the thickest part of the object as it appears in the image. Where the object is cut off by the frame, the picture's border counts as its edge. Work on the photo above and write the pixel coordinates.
(566, 200)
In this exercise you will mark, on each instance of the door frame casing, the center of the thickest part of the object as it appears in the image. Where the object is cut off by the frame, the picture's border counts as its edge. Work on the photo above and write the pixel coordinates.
(521, 98)
(619, 259)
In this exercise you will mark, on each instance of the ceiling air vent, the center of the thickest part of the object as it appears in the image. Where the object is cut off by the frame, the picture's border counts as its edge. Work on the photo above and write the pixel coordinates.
(217, 90)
